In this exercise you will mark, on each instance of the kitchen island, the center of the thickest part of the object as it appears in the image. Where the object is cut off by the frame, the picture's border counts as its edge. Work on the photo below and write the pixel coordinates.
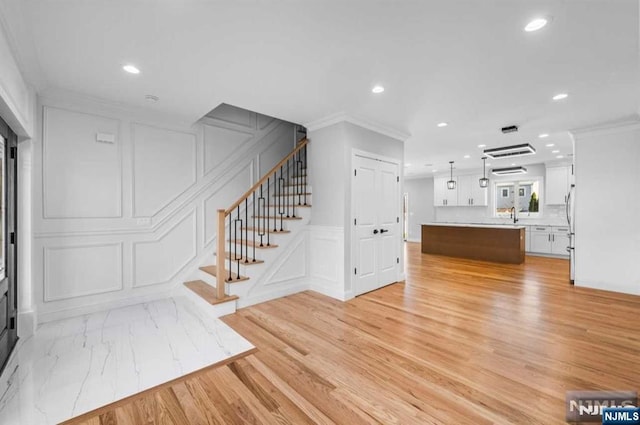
(497, 243)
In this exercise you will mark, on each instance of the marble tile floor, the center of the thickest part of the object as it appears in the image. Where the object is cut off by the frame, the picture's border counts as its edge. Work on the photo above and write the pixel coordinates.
(75, 365)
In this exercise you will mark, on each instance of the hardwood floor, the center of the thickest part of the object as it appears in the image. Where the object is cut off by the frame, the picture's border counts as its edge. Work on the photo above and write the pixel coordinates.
(462, 342)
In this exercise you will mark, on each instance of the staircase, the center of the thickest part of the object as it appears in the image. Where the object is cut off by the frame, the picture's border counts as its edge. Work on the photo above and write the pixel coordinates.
(252, 231)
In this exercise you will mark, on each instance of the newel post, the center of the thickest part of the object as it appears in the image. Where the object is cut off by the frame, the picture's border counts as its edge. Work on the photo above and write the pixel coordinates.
(220, 257)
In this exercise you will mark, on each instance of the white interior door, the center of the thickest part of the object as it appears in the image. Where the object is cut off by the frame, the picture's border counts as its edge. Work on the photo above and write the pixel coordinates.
(377, 227)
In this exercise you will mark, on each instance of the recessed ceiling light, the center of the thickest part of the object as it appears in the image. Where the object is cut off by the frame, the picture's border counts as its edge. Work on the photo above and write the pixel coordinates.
(442, 124)
(482, 146)
(434, 171)
(536, 24)
(550, 145)
(513, 164)
(560, 96)
(131, 69)
(543, 135)
(555, 151)
(488, 165)
(467, 156)
(407, 165)
(559, 156)
(377, 89)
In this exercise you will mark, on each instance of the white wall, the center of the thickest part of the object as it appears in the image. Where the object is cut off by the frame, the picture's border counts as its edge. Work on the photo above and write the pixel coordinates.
(330, 171)
(16, 97)
(607, 241)
(421, 209)
(120, 223)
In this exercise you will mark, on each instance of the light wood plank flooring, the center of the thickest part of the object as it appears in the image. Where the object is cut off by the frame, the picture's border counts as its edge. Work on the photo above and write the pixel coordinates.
(461, 342)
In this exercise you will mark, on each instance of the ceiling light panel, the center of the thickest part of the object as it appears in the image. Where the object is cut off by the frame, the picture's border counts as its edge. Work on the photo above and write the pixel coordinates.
(508, 171)
(510, 151)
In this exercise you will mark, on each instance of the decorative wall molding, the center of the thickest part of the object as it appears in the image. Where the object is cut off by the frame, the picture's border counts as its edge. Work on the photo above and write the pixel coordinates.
(173, 239)
(138, 281)
(46, 182)
(326, 265)
(75, 262)
(170, 199)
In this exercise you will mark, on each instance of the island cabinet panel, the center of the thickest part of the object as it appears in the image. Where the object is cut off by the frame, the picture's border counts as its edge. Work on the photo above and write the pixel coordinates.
(498, 244)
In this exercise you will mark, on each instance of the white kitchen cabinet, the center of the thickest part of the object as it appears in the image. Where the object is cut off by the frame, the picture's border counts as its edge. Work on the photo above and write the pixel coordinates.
(560, 240)
(557, 184)
(541, 239)
(470, 193)
(549, 240)
(443, 196)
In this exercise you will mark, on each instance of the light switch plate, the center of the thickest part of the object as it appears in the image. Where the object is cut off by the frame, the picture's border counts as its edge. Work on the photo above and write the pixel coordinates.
(106, 138)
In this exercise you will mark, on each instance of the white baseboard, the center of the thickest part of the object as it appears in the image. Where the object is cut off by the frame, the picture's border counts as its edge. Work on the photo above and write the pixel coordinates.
(327, 288)
(27, 322)
(94, 308)
(293, 287)
(606, 286)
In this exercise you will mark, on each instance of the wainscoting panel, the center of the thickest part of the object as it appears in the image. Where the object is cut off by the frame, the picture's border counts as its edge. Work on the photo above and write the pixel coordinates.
(80, 270)
(70, 148)
(164, 167)
(326, 261)
(295, 266)
(220, 143)
(222, 198)
(159, 261)
(123, 211)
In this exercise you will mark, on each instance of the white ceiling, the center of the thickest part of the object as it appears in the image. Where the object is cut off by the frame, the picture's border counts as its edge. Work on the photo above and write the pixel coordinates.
(468, 63)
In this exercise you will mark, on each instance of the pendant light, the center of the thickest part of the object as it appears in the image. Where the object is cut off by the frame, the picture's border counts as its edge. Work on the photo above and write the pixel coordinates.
(484, 181)
(451, 184)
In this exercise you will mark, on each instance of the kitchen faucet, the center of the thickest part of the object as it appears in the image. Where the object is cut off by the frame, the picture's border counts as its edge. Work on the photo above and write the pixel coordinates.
(513, 215)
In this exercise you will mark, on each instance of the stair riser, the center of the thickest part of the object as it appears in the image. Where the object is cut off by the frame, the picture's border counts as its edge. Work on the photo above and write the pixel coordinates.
(218, 310)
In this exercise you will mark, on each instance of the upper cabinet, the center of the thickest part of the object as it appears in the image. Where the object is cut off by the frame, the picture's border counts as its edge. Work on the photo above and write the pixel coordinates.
(557, 184)
(467, 193)
(470, 193)
(442, 195)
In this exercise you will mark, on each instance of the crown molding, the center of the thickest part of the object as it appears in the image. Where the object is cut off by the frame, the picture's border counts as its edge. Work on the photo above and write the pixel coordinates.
(628, 123)
(360, 122)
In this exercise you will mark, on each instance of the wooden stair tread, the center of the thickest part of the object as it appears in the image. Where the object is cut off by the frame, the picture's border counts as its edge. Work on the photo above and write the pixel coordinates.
(250, 243)
(234, 276)
(250, 229)
(271, 217)
(250, 262)
(208, 292)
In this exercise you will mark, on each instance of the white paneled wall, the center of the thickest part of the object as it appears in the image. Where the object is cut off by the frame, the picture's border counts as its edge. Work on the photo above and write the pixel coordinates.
(70, 151)
(156, 153)
(122, 222)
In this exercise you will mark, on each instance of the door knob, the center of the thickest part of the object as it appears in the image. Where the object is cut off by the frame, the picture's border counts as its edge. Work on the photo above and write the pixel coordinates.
(375, 231)
(383, 230)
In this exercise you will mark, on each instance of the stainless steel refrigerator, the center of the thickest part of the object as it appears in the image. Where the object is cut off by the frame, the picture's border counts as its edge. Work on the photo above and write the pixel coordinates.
(572, 235)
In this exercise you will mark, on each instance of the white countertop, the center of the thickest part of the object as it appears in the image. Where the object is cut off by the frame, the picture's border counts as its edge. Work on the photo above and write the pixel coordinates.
(485, 226)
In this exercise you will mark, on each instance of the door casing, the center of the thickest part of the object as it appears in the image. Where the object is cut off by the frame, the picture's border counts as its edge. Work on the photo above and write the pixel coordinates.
(11, 241)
